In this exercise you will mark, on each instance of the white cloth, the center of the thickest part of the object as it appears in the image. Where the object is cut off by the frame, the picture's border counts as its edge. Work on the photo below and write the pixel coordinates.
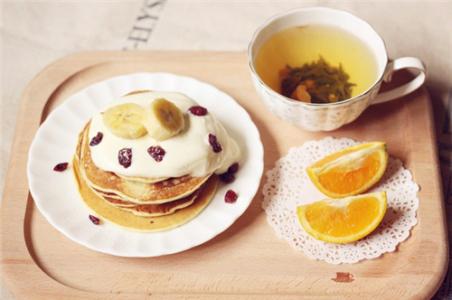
(35, 33)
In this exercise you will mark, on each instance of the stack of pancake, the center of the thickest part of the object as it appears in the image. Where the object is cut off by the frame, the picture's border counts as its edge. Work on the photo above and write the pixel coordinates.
(139, 203)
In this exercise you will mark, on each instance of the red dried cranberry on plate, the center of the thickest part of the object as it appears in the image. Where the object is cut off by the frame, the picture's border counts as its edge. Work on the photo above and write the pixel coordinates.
(60, 167)
(216, 147)
(198, 110)
(230, 196)
(227, 177)
(96, 139)
(156, 152)
(125, 157)
(233, 168)
(94, 219)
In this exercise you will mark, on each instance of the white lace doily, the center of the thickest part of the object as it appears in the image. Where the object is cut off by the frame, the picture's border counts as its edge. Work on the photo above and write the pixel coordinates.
(288, 186)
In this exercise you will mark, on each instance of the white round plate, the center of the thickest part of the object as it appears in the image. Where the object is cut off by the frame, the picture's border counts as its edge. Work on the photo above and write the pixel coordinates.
(56, 194)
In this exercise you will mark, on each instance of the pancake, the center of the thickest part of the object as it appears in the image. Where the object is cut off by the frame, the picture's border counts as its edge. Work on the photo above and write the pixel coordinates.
(112, 196)
(128, 220)
(152, 210)
(134, 191)
(156, 210)
(142, 179)
(117, 202)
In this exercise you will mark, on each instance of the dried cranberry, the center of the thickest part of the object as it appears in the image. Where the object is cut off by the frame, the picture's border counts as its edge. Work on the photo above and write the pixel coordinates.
(227, 177)
(233, 168)
(94, 219)
(60, 167)
(125, 157)
(230, 196)
(96, 139)
(156, 152)
(216, 147)
(198, 110)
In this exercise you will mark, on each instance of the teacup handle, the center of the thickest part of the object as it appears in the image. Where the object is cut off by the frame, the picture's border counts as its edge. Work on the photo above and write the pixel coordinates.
(398, 64)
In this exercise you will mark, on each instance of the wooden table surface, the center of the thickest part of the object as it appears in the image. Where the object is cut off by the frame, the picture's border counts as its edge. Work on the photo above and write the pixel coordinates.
(248, 259)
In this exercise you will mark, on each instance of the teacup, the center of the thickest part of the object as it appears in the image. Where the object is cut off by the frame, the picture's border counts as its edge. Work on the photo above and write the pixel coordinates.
(330, 116)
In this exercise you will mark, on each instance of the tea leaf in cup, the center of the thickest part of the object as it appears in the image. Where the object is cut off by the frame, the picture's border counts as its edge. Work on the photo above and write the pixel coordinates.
(322, 82)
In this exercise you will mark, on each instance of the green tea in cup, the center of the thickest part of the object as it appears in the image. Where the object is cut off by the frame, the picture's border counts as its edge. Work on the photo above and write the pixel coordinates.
(316, 64)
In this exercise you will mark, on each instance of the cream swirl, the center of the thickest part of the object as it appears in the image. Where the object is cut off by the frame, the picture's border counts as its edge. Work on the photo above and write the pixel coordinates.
(188, 153)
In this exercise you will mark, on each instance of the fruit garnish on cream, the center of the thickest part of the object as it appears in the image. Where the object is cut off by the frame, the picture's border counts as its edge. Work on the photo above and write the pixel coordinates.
(163, 119)
(125, 120)
(160, 134)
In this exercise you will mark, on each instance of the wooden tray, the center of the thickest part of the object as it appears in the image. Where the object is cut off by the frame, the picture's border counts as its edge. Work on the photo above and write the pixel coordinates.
(248, 259)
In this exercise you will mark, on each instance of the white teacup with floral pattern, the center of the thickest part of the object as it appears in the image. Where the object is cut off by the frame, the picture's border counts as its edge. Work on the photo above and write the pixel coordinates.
(330, 116)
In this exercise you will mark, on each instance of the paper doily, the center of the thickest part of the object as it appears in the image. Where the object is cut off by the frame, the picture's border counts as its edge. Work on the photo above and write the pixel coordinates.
(288, 186)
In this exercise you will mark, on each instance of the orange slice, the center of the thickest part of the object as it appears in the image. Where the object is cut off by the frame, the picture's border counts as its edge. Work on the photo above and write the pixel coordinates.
(343, 220)
(350, 171)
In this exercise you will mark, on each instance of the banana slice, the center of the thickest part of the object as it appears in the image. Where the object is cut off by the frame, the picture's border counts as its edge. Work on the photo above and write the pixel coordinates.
(125, 120)
(163, 119)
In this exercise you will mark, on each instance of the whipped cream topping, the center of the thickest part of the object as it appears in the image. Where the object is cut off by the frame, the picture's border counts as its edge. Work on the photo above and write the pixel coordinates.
(188, 153)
